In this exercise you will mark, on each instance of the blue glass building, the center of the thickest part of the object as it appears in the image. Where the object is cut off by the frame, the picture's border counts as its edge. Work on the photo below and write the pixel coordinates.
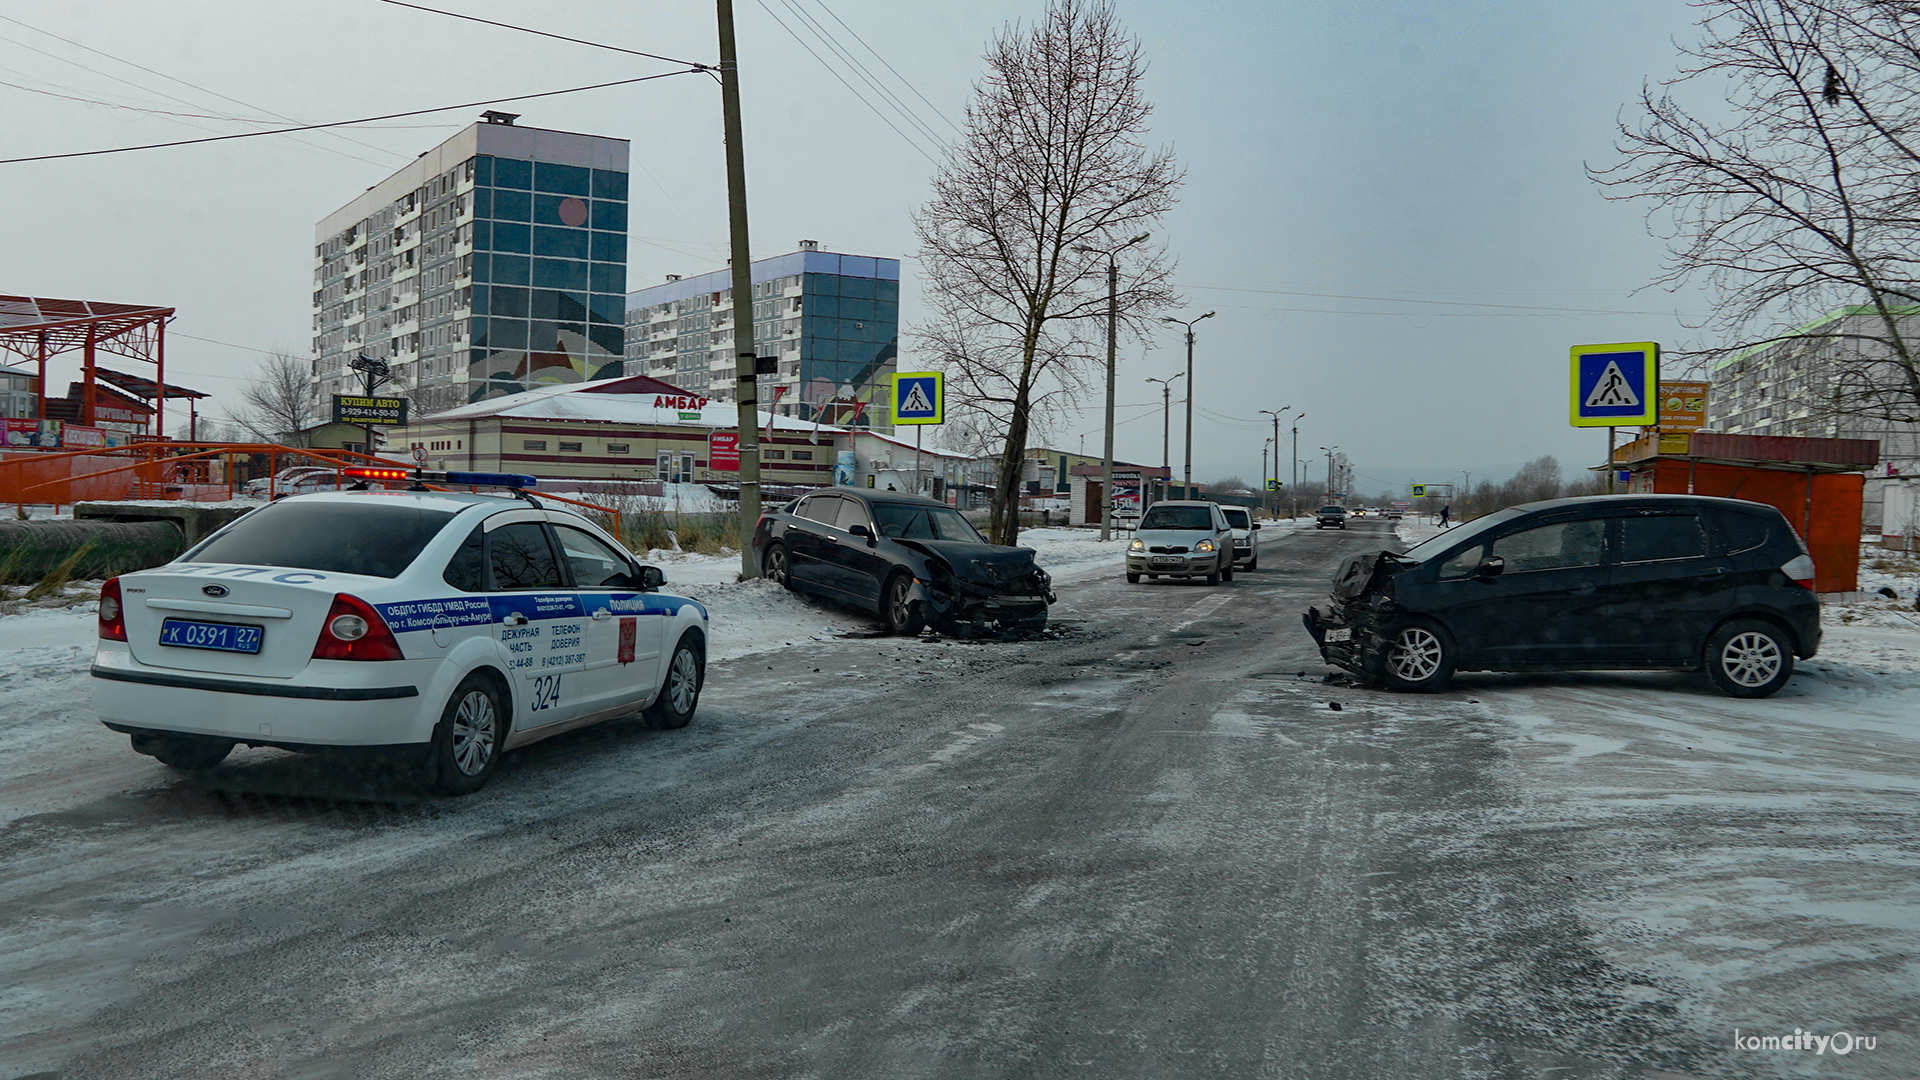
(829, 321)
(494, 263)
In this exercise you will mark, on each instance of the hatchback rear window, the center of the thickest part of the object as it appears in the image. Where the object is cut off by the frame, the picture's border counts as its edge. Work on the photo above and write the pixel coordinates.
(378, 539)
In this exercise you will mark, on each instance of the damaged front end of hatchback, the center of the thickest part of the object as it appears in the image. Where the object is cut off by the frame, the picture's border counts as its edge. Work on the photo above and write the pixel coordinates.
(1352, 634)
(973, 586)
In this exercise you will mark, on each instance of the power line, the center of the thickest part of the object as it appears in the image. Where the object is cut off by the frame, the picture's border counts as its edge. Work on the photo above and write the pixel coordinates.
(345, 123)
(695, 65)
(849, 86)
(182, 82)
(861, 70)
(1398, 300)
(896, 74)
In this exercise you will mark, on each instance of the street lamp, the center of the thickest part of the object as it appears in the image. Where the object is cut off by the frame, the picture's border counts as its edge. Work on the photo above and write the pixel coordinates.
(1293, 506)
(1329, 452)
(1113, 319)
(1166, 414)
(1276, 440)
(1186, 474)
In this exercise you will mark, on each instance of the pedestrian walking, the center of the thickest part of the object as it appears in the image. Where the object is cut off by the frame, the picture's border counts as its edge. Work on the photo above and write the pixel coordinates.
(1444, 511)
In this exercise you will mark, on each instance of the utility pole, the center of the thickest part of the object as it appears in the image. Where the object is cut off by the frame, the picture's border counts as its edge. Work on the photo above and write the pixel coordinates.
(1166, 420)
(1113, 322)
(1293, 504)
(1276, 442)
(1186, 475)
(746, 363)
(1330, 477)
(1263, 471)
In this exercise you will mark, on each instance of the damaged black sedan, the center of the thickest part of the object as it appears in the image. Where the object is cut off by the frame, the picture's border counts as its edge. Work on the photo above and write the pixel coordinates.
(1677, 582)
(913, 561)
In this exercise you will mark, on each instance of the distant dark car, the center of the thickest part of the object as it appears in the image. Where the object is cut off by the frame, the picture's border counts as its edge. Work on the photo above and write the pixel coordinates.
(1331, 517)
(913, 561)
(1620, 581)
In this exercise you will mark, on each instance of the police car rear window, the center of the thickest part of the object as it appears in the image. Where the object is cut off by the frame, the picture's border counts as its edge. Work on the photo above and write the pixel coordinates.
(375, 539)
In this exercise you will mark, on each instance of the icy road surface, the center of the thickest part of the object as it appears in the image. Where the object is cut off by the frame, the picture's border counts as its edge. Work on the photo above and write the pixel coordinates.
(1148, 846)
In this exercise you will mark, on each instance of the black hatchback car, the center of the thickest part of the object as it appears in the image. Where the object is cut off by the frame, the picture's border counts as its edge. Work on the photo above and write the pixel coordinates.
(1618, 581)
(912, 560)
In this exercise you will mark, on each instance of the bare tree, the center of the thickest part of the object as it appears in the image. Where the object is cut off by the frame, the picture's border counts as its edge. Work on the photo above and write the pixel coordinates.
(1054, 158)
(279, 403)
(1801, 199)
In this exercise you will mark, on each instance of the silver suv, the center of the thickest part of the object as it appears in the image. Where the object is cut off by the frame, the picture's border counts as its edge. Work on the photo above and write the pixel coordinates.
(1183, 539)
(1246, 554)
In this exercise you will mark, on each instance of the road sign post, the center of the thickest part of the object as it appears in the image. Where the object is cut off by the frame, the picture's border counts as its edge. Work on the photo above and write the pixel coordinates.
(919, 398)
(1612, 386)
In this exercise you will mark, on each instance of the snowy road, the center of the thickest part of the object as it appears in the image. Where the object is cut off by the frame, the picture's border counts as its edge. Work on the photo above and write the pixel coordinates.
(1148, 848)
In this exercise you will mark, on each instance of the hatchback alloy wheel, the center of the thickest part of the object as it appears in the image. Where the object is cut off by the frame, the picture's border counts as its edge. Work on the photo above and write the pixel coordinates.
(1418, 659)
(1751, 659)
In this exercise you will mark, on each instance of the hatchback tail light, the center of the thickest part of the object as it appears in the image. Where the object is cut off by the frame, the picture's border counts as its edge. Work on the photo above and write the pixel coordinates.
(113, 620)
(1800, 569)
(354, 631)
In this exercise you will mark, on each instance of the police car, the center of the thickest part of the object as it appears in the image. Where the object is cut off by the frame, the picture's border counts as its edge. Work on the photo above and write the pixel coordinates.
(445, 625)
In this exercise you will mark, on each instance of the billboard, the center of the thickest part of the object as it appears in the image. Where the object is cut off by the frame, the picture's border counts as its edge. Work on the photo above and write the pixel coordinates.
(723, 451)
(1683, 406)
(361, 409)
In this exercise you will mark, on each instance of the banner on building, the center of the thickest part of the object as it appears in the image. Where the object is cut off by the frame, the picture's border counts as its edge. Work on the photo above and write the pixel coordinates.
(723, 451)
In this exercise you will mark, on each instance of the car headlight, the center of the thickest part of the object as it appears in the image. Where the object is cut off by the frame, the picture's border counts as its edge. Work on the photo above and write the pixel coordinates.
(1203, 546)
(1137, 545)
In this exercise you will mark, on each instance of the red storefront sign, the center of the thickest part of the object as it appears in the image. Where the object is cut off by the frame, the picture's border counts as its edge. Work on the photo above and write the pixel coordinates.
(723, 451)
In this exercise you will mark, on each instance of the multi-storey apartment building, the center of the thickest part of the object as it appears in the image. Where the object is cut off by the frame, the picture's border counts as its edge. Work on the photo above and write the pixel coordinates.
(831, 323)
(493, 263)
(1809, 383)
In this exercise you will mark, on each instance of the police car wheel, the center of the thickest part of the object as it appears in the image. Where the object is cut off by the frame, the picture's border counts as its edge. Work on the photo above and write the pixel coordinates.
(680, 692)
(467, 741)
(774, 565)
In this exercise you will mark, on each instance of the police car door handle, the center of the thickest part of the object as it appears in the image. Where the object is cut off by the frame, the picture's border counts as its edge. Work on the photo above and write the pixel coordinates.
(514, 618)
(602, 614)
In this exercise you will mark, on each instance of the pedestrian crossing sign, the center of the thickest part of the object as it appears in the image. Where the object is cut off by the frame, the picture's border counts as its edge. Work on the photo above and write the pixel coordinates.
(919, 397)
(1616, 385)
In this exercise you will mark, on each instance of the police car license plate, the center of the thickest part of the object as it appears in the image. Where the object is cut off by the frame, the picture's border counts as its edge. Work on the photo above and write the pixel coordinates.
(1168, 560)
(220, 637)
(1340, 633)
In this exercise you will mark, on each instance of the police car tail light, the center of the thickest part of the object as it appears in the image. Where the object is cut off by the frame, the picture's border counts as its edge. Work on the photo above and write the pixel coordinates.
(354, 631)
(1800, 569)
(113, 620)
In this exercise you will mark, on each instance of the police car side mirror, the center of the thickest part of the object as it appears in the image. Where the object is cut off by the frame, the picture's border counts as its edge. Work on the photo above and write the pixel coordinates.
(651, 578)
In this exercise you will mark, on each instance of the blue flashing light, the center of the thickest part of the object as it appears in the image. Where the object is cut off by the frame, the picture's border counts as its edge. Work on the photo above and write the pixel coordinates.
(491, 479)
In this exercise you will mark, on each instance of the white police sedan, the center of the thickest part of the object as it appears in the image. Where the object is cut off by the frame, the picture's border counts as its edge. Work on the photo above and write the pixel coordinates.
(444, 624)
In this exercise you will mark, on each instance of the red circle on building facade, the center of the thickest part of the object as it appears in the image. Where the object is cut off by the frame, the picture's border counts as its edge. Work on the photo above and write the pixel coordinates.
(573, 211)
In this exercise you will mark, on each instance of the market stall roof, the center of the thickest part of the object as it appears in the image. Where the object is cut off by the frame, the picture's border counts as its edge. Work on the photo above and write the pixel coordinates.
(636, 399)
(1758, 451)
(142, 387)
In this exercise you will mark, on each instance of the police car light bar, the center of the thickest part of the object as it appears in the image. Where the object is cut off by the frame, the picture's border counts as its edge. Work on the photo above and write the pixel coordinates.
(463, 479)
(480, 479)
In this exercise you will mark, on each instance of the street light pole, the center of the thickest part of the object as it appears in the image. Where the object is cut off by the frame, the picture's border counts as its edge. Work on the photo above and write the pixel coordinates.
(1329, 452)
(1293, 506)
(1186, 473)
(1113, 320)
(1276, 440)
(1166, 419)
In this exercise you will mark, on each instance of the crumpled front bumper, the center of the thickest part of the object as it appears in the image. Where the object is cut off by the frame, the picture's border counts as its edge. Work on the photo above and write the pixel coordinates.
(973, 605)
(1342, 643)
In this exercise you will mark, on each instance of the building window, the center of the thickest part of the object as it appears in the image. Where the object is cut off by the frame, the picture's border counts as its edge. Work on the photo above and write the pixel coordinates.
(617, 448)
(803, 455)
(774, 455)
(533, 444)
(569, 447)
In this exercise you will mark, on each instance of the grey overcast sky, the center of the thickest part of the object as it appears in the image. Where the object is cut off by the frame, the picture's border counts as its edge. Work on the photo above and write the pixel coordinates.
(1385, 202)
